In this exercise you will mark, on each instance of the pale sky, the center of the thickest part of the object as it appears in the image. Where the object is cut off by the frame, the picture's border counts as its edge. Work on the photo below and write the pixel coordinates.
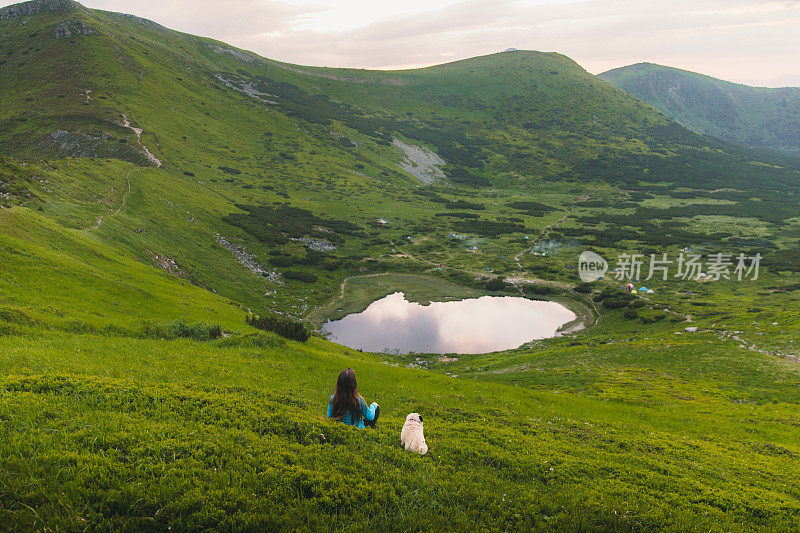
(746, 41)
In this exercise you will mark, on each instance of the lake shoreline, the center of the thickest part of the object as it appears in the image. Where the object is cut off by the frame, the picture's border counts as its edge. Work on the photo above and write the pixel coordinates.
(483, 324)
(358, 292)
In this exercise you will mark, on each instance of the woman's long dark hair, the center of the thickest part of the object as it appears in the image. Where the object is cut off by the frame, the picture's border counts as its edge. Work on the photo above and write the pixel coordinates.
(346, 398)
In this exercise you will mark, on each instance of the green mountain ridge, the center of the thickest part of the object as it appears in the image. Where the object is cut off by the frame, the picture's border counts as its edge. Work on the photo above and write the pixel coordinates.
(157, 188)
(753, 116)
(321, 138)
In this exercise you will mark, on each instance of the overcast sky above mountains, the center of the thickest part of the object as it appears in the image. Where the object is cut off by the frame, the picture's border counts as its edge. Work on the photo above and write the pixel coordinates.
(747, 41)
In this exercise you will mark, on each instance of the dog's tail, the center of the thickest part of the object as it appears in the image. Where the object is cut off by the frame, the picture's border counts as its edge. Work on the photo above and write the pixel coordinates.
(423, 448)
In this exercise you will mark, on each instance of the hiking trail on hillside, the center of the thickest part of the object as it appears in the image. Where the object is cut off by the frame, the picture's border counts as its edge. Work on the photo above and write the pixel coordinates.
(124, 200)
(138, 131)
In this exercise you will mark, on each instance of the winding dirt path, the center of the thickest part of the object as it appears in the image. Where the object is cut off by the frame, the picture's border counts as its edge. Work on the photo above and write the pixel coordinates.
(124, 201)
(138, 131)
(153, 159)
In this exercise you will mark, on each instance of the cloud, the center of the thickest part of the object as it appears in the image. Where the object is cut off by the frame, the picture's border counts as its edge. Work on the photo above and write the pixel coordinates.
(732, 39)
(740, 40)
(235, 19)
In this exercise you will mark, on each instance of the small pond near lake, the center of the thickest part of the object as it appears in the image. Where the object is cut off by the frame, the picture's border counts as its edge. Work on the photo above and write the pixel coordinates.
(477, 325)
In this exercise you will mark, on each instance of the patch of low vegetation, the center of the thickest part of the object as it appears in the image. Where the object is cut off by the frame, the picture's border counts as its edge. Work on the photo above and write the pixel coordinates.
(282, 325)
(787, 259)
(463, 204)
(489, 228)
(615, 299)
(541, 290)
(299, 275)
(495, 284)
(277, 224)
(179, 330)
(534, 209)
(584, 288)
(251, 340)
(458, 215)
(463, 176)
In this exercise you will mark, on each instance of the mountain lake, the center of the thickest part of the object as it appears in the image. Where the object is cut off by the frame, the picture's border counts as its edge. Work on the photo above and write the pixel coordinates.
(476, 325)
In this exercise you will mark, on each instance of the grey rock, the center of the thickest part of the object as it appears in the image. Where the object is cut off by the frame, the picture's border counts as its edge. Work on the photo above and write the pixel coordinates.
(140, 20)
(238, 54)
(26, 9)
(62, 143)
(73, 27)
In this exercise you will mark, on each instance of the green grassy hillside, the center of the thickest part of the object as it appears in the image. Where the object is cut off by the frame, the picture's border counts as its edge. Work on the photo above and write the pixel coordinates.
(62, 279)
(157, 187)
(104, 432)
(244, 142)
(753, 116)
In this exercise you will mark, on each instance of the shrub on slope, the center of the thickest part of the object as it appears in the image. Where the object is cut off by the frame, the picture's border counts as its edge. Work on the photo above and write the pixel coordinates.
(283, 326)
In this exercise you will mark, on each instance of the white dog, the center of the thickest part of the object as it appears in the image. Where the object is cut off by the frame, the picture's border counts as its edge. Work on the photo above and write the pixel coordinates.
(411, 437)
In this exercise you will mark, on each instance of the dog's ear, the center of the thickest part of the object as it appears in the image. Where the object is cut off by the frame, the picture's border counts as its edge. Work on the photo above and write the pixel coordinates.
(420, 418)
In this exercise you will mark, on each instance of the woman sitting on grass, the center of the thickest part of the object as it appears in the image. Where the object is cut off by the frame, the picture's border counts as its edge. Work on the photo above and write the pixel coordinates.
(346, 404)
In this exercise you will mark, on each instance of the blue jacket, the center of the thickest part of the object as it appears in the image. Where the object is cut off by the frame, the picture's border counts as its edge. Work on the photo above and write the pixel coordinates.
(367, 413)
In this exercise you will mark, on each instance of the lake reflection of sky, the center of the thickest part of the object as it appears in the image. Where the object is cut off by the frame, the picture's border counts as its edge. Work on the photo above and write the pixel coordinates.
(478, 325)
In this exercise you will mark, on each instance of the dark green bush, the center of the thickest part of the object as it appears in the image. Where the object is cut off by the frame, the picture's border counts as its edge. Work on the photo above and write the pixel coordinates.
(649, 319)
(584, 288)
(534, 209)
(495, 284)
(276, 224)
(331, 265)
(251, 340)
(180, 330)
(315, 257)
(283, 326)
(463, 204)
(613, 294)
(615, 303)
(457, 215)
(631, 313)
(281, 261)
(465, 177)
(788, 259)
(305, 277)
(541, 290)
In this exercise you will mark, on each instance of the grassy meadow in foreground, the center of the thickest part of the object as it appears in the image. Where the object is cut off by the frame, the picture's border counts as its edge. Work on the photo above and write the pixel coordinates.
(143, 434)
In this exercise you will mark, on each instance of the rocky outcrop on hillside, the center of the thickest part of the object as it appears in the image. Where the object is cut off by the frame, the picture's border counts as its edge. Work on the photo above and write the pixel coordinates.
(73, 27)
(61, 143)
(27, 9)
(421, 162)
(140, 20)
(238, 54)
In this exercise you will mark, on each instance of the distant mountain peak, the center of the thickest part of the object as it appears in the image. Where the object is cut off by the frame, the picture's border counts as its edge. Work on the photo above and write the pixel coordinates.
(34, 7)
(741, 114)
